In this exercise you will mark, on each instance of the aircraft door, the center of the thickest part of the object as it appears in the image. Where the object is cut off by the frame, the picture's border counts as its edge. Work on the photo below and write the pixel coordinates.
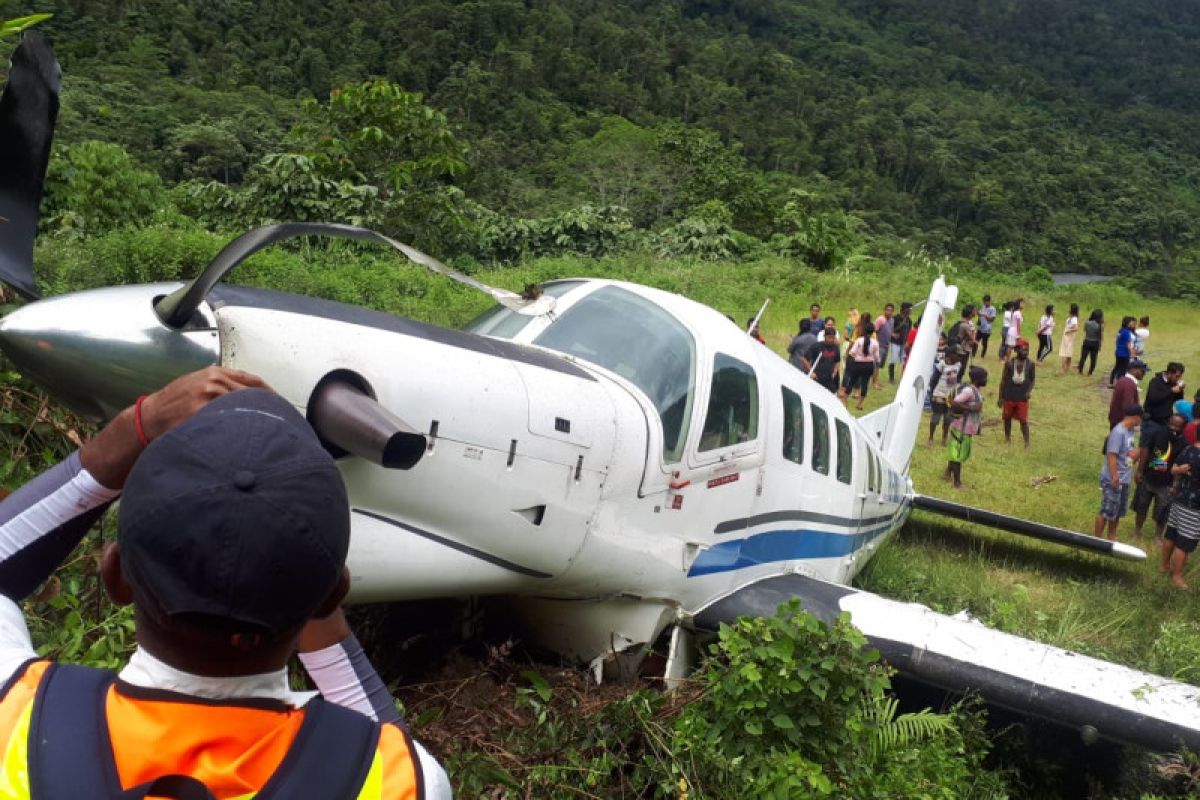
(721, 479)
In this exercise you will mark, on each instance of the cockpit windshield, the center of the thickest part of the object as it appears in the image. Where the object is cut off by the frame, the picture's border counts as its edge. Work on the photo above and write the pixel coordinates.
(639, 341)
(504, 323)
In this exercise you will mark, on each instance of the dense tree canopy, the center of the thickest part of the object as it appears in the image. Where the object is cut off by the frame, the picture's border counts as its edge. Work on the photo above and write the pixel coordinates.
(1010, 135)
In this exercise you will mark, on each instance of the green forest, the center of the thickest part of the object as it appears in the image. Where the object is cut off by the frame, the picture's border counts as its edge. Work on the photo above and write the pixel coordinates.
(1006, 137)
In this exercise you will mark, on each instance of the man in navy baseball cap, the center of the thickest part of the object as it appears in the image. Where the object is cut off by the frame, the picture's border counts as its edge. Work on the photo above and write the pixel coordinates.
(235, 523)
(232, 538)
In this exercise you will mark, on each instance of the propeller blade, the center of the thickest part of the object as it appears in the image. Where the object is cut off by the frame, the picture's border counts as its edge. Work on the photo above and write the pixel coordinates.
(177, 308)
(28, 111)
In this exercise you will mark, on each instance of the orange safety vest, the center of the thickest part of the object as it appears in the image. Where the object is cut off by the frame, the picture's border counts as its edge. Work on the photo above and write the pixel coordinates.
(235, 748)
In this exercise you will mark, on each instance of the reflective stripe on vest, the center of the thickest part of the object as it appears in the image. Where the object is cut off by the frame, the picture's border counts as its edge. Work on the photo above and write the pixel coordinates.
(234, 748)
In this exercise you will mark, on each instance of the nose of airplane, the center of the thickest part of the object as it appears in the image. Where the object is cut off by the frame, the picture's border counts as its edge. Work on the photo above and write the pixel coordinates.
(97, 351)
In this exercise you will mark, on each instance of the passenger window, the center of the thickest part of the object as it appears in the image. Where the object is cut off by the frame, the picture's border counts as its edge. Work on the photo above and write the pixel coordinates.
(820, 445)
(631, 336)
(845, 445)
(732, 405)
(793, 427)
(872, 474)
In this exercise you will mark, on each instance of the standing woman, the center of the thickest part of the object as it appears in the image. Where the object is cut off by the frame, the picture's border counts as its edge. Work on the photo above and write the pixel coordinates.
(1045, 334)
(1093, 334)
(1005, 324)
(864, 354)
(1124, 351)
(1066, 346)
(1014, 326)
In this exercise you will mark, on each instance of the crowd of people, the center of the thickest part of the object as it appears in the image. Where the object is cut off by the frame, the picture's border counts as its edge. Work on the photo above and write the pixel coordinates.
(1151, 462)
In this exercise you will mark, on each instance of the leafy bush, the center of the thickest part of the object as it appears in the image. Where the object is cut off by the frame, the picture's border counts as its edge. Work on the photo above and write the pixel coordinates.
(810, 229)
(692, 237)
(795, 708)
(586, 231)
(787, 707)
(93, 187)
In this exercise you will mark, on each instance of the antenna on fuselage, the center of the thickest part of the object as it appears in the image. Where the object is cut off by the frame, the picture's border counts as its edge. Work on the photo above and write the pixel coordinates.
(758, 316)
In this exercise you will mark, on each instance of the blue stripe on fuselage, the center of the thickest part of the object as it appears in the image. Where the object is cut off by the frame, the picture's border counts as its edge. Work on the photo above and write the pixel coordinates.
(781, 545)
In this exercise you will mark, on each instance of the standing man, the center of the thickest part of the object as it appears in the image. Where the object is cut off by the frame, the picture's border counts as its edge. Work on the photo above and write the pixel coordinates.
(814, 324)
(962, 333)
(900, 328)
(1159, 447)
(800, 345)
(883, 335)
(1016, 386)
(1163, 390)
(231, 545)
(824, 361)
(1117, 472)
(1125, 391)
(987, 318)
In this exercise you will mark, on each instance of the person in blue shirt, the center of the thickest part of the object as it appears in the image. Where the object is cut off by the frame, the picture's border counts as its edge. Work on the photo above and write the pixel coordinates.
(1124, 351)
(1187, 408)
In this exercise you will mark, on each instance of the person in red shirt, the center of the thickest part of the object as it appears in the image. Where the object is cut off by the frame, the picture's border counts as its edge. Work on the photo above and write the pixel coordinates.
(1125, 391)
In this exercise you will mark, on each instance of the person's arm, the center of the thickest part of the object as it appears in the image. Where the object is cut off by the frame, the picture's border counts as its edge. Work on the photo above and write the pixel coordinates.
(1112, 469)
(1032, 369)
(341, 671)
(1143, 456)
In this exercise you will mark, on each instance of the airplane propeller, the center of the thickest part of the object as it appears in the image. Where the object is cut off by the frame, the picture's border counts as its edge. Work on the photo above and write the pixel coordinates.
(177, 308)
(28, 111)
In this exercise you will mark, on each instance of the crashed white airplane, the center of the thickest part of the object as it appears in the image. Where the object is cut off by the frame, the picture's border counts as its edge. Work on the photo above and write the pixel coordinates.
(614, 461)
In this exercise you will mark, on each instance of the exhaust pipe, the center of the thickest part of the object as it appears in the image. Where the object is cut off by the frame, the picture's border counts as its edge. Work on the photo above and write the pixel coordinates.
(349, 421)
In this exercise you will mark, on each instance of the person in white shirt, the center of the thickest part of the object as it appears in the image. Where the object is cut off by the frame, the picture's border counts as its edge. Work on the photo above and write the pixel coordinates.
(1066, 345)
(1045, 334)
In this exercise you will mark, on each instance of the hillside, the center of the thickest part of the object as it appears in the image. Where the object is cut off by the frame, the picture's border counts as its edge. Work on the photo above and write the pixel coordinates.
(1005, 135)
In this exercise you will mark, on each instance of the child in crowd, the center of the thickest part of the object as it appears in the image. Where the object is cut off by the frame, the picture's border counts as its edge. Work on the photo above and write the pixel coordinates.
(967, 407)
(1117, 473)
(943, 390)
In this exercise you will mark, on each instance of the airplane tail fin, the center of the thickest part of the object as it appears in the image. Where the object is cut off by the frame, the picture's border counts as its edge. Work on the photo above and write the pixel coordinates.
(895, 425)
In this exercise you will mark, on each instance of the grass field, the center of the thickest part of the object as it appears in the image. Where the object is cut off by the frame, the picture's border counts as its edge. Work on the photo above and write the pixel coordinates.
(1094, 604)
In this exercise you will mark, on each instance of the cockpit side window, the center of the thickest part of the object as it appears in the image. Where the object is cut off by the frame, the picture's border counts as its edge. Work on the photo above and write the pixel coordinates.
(732, 405)
(504, 323)
(633, 337)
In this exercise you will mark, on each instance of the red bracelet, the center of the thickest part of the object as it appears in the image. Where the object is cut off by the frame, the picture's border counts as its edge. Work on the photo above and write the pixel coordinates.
(137, 421)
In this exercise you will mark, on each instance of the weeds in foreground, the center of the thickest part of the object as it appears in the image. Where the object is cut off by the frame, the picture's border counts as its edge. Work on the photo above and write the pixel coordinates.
(784, 707)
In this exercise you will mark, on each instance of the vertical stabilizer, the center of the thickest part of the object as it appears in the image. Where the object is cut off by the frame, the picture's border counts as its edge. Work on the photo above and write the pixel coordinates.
(895, 426)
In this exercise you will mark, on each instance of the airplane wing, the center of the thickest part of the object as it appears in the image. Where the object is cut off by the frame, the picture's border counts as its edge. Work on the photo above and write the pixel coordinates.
(1122, 704)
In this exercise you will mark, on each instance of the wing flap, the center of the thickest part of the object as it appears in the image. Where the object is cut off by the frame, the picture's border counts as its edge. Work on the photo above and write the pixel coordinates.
(1122, 704)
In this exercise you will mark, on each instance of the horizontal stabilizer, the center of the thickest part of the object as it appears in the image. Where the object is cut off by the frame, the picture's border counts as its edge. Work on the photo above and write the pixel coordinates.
(28, 111)
(1122, 704)
(1036, 530)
